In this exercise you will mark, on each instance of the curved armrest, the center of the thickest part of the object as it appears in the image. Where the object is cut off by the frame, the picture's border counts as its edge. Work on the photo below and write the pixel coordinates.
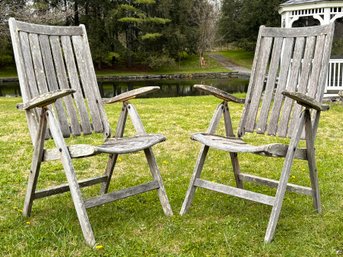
(306, 101)
(219, 93)
(131, 94)
(45, 99)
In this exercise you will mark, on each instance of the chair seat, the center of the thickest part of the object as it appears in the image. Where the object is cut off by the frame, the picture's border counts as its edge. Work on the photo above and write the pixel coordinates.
(129, 144)
(237, 145)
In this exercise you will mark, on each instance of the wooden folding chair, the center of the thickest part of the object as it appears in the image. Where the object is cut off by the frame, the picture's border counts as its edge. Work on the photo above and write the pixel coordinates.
(284, 99)
(61, 99)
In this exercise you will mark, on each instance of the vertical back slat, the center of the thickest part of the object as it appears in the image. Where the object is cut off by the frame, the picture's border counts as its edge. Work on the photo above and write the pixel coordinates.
(89, 63)
(259, 82)
(305, 72)
(75, 84)
(87, 85)
(63, 82)
(38, 64)
(271, 82)
(28, 63)
(50, 74)
(283, 76)
(291, 85)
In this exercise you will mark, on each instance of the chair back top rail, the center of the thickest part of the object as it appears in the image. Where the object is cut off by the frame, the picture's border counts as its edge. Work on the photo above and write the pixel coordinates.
(49, 58)
(292, 59)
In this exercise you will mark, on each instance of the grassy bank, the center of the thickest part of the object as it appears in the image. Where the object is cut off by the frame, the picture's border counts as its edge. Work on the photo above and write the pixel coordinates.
(189, 65)
(216, 225)
(239, 57)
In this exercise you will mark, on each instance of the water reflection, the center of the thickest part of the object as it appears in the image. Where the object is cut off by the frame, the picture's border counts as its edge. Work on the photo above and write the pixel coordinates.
(169, 88)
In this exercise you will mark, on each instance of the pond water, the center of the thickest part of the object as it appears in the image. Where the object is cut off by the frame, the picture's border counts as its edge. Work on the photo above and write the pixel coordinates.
(169, 88)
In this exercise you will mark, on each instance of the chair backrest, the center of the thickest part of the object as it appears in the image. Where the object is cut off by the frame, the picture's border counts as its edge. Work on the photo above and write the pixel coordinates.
(49, 58)
(292, 59)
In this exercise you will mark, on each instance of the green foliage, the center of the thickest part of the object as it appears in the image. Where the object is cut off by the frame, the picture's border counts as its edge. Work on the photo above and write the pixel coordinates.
(151, 36)
(158, 61)
(131, 19)
(240, 20)
(147, 2)
(158, 20)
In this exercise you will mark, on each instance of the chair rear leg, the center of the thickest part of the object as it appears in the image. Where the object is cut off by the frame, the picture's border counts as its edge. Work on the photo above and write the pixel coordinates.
(236, 169)
(35, 166)
(112, 160)
(157, 176)
(196, 174)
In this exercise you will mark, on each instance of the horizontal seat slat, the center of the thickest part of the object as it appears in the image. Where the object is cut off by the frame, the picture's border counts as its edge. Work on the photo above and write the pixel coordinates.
(241, 193)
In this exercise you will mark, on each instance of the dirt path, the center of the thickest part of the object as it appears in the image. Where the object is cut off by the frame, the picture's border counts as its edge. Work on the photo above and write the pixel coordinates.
(230, 65)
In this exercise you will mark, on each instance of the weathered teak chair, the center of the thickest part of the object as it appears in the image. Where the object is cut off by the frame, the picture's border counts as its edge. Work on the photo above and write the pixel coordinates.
(283, 99)
(61, 99)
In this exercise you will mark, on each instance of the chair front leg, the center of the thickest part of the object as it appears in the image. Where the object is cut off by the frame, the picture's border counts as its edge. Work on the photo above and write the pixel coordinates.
(280, 193)
(72, 180)
(310, 151)
(35, 165)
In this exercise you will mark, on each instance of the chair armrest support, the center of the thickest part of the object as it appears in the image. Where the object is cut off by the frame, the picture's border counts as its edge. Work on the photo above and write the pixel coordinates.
(124, 97)
(45, 99)
(219, 93)
(306, 101)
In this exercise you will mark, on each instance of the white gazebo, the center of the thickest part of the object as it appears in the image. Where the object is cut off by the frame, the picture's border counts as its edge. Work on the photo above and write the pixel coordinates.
(300, 13)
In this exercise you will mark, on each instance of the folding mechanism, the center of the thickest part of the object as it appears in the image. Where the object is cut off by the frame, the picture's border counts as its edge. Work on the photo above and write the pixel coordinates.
(61, 99)
(284, 100)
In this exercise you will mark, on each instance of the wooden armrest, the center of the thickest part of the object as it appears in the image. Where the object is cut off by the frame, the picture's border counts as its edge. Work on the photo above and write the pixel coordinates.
(124, 97)
(306, 101)
(219, 93)
(45, 99)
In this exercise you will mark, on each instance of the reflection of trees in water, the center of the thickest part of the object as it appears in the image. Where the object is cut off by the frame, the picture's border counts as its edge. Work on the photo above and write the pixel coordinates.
(172, 88)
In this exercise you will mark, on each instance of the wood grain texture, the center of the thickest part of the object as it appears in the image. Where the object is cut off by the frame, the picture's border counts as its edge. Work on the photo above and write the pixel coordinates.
(218, 93)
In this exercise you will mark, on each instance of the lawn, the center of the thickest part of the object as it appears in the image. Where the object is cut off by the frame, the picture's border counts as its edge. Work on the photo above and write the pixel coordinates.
(239, 56)
(216, 225)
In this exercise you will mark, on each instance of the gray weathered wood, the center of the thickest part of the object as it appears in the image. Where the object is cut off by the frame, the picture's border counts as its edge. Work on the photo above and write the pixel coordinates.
(87, 83)
(274, 183)
(278, 99)
(72, 181)
(48, 30)
(35, 165)
(238, 192)
(50, 75)
(280, 193)
(200, 161)
(45, 99)
(127, 192)
(258, 83)
(75, 84)
(298, 65)
(65, 188)
(312, 161)
(162, 194)
(271, 81)
(61, 75)
(53, 63)
(218, 93)
(292, 84)
(124, 97)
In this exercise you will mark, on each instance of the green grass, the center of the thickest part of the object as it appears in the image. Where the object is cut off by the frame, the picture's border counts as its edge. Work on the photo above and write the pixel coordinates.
(239, 57)
(216, 225)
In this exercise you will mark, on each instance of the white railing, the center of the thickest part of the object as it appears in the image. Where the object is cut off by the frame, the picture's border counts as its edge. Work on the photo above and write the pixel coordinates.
(334, 80)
